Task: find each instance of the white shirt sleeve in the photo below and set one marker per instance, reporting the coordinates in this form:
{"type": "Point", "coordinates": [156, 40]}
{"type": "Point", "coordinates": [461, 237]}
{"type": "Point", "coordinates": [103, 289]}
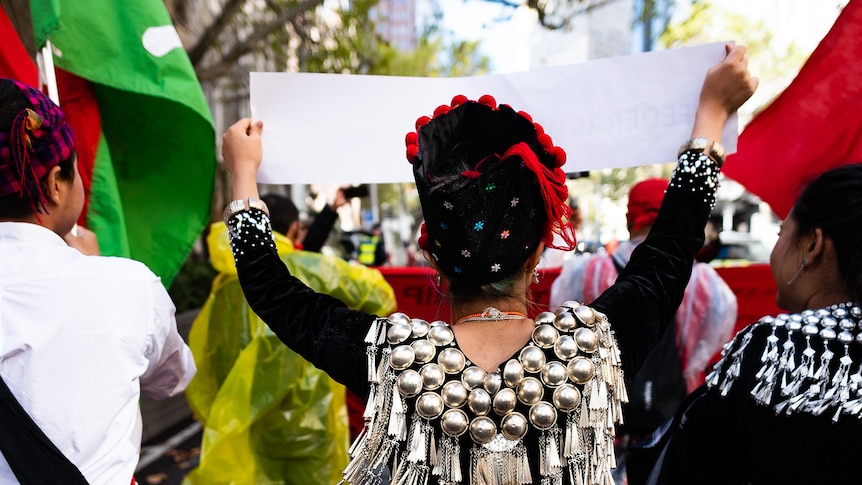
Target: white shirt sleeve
{"type": "Point", "coordinates": [171, 365]}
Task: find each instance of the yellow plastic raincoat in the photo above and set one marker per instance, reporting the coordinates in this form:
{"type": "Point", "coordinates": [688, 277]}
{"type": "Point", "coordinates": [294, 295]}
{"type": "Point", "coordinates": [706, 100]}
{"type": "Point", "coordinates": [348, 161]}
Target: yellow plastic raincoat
{"type": "Point", "coordinates": [269, 416]}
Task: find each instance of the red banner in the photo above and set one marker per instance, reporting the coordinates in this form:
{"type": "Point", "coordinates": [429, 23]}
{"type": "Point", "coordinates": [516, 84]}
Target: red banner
{"type": "Point", "coordinates": [419, 296]}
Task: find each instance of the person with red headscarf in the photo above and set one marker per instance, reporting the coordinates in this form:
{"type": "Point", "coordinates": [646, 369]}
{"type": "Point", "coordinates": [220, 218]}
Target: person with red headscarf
{"type": "Point", "coordinates": [495, 396]}
{"type": "Point", "coordinates": [704, 321]}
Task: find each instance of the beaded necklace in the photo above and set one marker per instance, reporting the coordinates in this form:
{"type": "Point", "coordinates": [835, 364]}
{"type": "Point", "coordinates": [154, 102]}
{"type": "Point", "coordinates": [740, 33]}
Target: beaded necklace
{"type": "Point", "coordinates": [491, 314]}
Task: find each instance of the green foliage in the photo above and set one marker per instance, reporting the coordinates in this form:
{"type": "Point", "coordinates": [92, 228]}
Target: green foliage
{"type": "Point", "coordinates": [192, 285]}
{"type": "Point", "coordinates": [352, 44]}
{"type": "Point", "coordinates": [433, 57]}
{"type": "Point", "coordinates": [770, 61]}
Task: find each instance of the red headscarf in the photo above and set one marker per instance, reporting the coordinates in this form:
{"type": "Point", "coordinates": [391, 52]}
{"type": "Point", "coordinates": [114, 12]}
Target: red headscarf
{"type": "Point", "coordinates": [644, 201]}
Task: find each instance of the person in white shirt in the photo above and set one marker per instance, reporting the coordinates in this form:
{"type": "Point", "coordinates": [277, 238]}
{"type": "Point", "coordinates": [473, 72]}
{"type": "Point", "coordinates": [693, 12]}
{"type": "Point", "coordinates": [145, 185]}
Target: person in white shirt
{"type": "Point", "coordinates": [81, 336]}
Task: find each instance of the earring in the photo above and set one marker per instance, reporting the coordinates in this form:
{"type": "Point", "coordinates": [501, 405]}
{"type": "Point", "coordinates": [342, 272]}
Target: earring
{"type": "Point", "coordinates": [535, 276]}
{"type": "Point", "coordinates": [438, 279]}
{"type": "Point", "coordinates": [798, 271]}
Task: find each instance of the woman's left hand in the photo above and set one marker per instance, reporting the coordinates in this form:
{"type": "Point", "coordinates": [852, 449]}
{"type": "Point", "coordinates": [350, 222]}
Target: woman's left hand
{"type": "Point", "coordinates": [242, 152]}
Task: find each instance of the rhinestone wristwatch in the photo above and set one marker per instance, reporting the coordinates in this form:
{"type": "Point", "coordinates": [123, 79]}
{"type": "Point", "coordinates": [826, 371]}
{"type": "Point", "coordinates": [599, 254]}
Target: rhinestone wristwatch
{"type": "Point", "coordinates": [240, 205]}
{"type": "Point", "coordinates": [716, 150]}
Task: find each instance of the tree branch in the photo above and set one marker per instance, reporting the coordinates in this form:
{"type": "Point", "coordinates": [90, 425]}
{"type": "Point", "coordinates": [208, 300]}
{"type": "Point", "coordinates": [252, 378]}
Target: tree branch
{"type": "Point", "coordinates": [206, 40]}
{"type": "Point", "coordinates": [260, 33]}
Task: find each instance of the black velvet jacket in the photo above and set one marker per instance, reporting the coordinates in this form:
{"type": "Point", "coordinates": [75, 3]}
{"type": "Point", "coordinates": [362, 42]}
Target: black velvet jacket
{"type": "Point", "coordinates": [751, 435]}
{"type": "Point", "coordinates": [639, 306]}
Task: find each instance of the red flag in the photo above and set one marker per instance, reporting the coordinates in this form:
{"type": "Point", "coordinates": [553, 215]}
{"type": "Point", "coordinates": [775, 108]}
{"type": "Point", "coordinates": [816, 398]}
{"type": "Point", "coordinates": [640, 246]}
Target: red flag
{"type": "Point", "coordinates": [813, 126]}
{"type": "Point", "coordinates": [15, 62]}
{"type": "Point", "coordinates": [76, 95]}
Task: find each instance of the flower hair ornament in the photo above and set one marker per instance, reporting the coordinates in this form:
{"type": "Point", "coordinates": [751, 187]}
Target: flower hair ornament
{"type": "Point", "coordinates": [491, 187]}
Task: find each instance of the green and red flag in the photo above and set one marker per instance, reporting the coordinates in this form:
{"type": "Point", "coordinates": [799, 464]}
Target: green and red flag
{"type": "Point", "coordinates": [144, 134]}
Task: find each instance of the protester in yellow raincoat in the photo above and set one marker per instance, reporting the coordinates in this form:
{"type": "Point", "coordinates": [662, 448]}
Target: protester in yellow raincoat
{"type": "Point", "coordinates": [269, 416]}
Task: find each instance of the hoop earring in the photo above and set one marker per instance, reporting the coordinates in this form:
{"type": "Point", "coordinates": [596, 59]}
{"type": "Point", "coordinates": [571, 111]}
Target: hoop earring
{"type": "Point", "coordinates": [535, 276]}
{"type": "Point", "coordinates": [798, 271]}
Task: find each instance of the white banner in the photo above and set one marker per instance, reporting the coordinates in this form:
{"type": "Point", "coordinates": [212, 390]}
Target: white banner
{"type": "Point", "coordinates": [608, 113]}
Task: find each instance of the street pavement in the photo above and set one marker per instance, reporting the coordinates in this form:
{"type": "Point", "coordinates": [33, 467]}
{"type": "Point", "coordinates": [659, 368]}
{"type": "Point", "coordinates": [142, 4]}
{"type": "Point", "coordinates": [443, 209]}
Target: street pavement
{"type": "Point", "coordinates": [168, 461]}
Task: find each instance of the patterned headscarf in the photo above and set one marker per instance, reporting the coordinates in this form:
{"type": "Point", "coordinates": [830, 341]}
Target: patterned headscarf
{"type": "Point", "coordinates": [38, 140]}
{"type": "Point", "coordinates": [491, 189]}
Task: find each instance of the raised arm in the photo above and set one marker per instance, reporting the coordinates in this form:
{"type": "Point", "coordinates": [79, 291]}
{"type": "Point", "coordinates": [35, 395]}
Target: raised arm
{"type": "Point", "coordinates": [318, 327]}
{"type": "Point", "coordinates": [648, 292]}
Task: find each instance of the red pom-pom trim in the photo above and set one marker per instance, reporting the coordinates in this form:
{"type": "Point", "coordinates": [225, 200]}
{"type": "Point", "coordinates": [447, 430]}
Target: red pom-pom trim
{"type": "Point", "coordinates": [423, 237]}
{"type": "Point", "coordinates": [546, 141]}
{"type": "Point", "coordinates": [488, 100]}
{"type": "Point", "coordinates": [526, 115]}
{"type": "Point", "coordinates": [441, 110]}
{"type": "Point", "coordinates": [411, 138]}
{"type": "Point", "coordinates": [540, 130]}
{"type": "Point", "coordinates": [458, 100]}
{"type": "Point", "coordinates": [412, 151]}
{"type": "Point", "coordinates": [559, 155]}
{"type": "Point", "coordinates": [422, 121]}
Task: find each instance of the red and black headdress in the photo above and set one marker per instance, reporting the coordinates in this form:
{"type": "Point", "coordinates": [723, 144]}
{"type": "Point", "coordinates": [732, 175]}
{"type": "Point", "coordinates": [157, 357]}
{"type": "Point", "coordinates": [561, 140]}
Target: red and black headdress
{"type": "Point", "coordinates": [491, 187]}
{"type": "Point", "coordinates": [38, 140]}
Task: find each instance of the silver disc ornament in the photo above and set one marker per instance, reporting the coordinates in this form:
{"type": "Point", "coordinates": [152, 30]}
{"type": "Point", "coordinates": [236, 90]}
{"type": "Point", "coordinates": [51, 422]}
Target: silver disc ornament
{"type": "Point", "coordinates": [429, 405]}
{"type": "Point", "coordinates": [432, 376]}
{"type": "Point", "coordinates": [479, 401]}
{"type": "Point", "coordinates": [545, 336]}
{"type": "Point", "coordinates": [423, 350]}
{"type": "Point", "coordinates": [440, 335]}
{"type": "Point", "coordinates": [420, 327]}
{"type": "Point", "coordinates": [566, 397]}
{"type": "Point", "coordinates": [581, 370]}
{"type": "Point", "coordinates": [494, 381]}
{"type": "Point", "coordinates": [554, 374]}
{"type": "Point", "coordinates": [409, 383]}
{"type": "Point", "coordinates": [543, 415]}
{"type": "Point", "coordinates": [545, 318]}
{"type": "Point", "coordinates": [587, 340]}
{"type": "Point", "coordinates": [514, 426]}
{"type": "Point", "coordinates": [513, 372]}
{"type": "Point", "coordinates": [586, 315]}
{"type": "Point", "coordinates": [454, 422]}
{"type": "Point", "coordinates": [398, 332]}
{"type": "Point", "coordinates": [532, 358]}
{"type": "Point", "coordinates": [454, 394]}
{"type": "Point", "coordinates": [565, 322]}
{"type": "Point", "coordinates": [473, 377]}
{"type": "Point", "coordinates": [451, 360]}
{"type": "Point", "coordinates": [530, 390]}
{"type": "Point", "coordinates": [565, 347]}
{"type": "Point", "coordinates": [504, 401]}
{"type": "Point", "coordinates": [402, 357]}
{"type": "Point", "coordinates": [483, 430]}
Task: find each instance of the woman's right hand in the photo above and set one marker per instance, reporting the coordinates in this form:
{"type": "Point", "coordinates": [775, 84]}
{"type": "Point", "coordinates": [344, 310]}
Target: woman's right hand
{"type": "Point", "coordinates": [726, 87]}
{"type": "Point", "coordinates": [242, 152]}
{"type": "Point", "coordinates": [728, 84]}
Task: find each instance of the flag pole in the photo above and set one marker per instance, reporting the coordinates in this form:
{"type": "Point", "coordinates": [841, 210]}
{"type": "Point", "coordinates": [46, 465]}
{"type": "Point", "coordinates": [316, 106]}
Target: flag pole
{"type": "Point", "coordinates": [48, 76]}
